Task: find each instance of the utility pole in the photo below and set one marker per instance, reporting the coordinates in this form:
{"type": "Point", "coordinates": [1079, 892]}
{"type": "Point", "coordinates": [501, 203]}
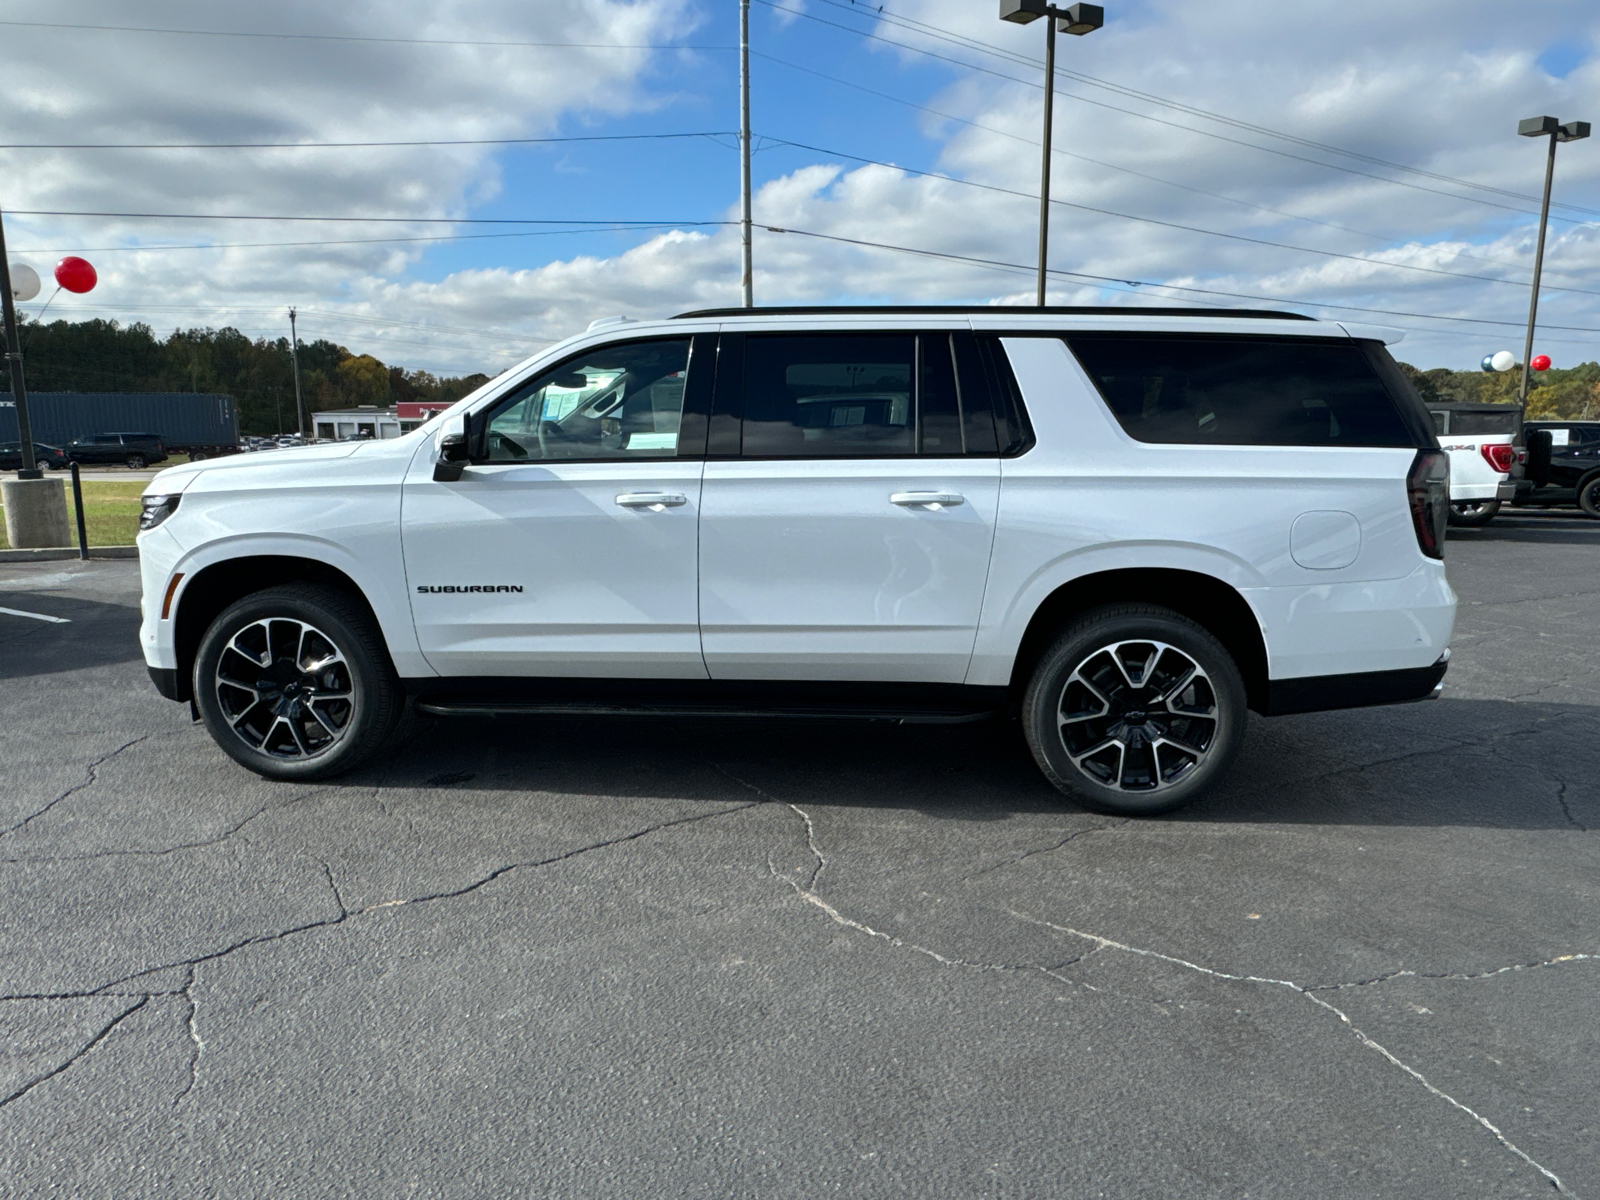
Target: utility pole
{"type": "Point", "coordinates": [294, 360]}
{"type": "Point", "coordinates": [747, 259]}
{"type": "Point", "coordinates": [1076, 19]}
{"type": "Point", "coordinates": [19, 390]}
{"type": "Point", "coordinates": [1572, 131]}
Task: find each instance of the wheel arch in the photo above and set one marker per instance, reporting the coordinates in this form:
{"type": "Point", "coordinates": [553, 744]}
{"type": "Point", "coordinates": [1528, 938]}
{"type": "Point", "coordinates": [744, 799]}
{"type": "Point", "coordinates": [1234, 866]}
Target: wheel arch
{"type": "Point", "coordinates": [1206, 600]}
{"type": "Point", "coordinates": [213, 588]}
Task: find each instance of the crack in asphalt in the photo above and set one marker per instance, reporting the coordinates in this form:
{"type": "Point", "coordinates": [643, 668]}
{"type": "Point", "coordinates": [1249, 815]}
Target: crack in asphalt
{"type": "Point", "coordinates": [94, 854]}
{"type": "Point", "coordinates": [194, 1036]}
{"type": "Point", "coordinates": [82, 1051]}
{"type": "Point", "coordinates": [346, 914]}
{"type": "Point", "coordinates": [1100, 943]}
{"type": "Point", "coordinates": [1408, 974]}
{"type": "Point", "coordinates": [1071, 837]}
{"type": "Point", "coordinates": [92, 777]}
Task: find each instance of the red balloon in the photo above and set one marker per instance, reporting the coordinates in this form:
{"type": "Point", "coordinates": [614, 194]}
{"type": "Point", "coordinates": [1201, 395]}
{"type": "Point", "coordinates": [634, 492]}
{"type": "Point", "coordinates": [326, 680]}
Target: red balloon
{"type": "Point", "coordinates": [75, 274]}
{"type": "Point", "coordinates": [1541, 362]}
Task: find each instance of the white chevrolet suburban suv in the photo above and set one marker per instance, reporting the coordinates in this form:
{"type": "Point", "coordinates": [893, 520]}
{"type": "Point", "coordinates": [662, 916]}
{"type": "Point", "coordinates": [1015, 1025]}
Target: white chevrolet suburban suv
{"type": "Point", "coordinates": [1127, 526]}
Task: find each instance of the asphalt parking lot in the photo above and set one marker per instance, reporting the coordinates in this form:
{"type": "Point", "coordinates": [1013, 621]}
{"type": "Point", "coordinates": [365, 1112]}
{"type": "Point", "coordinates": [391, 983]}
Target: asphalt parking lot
{"type": "Point", "coordinates": [619, 958]}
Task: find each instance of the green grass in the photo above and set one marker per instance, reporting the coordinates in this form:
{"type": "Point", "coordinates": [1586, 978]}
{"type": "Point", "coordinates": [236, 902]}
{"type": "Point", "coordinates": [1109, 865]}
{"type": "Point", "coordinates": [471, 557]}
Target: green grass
{"type": "Point", "coordinates": [110, 510]}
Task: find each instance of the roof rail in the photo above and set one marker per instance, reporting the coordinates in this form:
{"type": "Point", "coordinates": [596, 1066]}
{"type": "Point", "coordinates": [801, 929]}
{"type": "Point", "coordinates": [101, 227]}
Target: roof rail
{"type": "Point", "coordinates": [845, 310]}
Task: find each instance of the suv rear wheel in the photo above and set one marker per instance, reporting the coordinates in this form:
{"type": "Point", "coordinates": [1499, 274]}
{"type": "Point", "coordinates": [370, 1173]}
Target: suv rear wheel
{"type": "Point", "coordinates": [1469, 514]}
{"type": "Point", "coordinates": [1135, 710]}
{"type": "Point", "coordinates": [294, 683]}
{"type": "Point", "coordinates": [136, 461]}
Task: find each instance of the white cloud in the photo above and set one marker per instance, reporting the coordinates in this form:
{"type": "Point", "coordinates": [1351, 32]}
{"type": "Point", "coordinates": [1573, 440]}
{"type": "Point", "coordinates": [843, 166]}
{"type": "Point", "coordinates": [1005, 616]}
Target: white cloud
{"type": "Point", "coordinates": [1420, 83]}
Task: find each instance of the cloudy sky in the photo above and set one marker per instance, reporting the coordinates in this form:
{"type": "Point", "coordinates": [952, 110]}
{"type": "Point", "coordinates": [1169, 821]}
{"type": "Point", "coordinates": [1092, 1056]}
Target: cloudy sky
{"type": "Point", "coordinates": [1359, 154]}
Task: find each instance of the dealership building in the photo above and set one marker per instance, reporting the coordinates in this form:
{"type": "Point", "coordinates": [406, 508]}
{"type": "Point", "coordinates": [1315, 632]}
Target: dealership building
{"type": "Point", "coordinates": [371, 423]}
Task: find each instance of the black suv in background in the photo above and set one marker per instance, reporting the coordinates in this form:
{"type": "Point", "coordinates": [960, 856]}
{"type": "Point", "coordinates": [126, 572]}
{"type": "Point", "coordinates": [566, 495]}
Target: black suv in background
{"type": "Point", "coordinates": [1563, 464]}
{"type": "Point", "coordinates": [135, 449]}
{"type": "Point", "coordinates": [50, 457]}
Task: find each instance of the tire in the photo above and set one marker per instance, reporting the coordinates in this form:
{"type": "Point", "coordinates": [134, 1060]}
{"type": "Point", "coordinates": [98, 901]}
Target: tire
{"type": "Point", "coordinates": [1589, 496]}
{"type": "Point", "coordinates": [198, 456]}
{"type": "Point", "coordinates": [136, 462]}
{"type": "Point", "coordinates": [1114, 766]}
{"type": "Point", "coordinates": [1473, 514]}
{"type": "Point", "coordinates": [279, 720]}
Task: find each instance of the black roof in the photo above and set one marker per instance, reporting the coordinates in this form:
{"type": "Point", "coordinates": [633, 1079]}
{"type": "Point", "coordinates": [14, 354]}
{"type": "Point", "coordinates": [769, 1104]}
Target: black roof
{"type": "Point", "coordinates": [920, 310]}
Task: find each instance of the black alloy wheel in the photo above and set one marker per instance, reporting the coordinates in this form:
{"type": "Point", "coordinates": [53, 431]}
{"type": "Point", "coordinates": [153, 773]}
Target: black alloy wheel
{"type": "Point", "coordinates": [1472, 514]}
{"type": "Point", "coordinates": [1135, 710]}
{"type": "Point", "coordinates": [294, 683]}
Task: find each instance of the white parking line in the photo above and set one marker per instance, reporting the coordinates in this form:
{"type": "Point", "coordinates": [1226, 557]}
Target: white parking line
{"type": "Point", "coordinates": [17, 612]}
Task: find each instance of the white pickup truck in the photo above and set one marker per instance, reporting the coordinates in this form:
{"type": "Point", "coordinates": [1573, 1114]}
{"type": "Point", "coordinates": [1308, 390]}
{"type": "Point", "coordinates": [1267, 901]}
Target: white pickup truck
{"type": "Point", "coordinates": [1481, 440]}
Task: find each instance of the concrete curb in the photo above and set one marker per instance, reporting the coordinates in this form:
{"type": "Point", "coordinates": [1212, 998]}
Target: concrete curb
{"type": "Point", "coordinates": [54, 555]}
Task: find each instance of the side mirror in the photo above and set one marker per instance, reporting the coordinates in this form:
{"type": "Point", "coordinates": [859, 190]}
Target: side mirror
{"type": "Point", "coordinates": [454, 455]}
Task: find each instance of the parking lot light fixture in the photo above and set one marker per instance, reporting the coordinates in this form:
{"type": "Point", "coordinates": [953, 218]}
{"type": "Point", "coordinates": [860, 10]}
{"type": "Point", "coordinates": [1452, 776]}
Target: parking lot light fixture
{"type": "Point", "coordinates": [1550, 127]}
{"type": "Point", "coordinates": [1076, 19]}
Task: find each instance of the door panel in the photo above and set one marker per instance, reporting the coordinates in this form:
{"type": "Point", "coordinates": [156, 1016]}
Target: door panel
{"type": "Point", "coordinates": [809, 570]}
{"type": "Point", "coordinates": [584, 585]}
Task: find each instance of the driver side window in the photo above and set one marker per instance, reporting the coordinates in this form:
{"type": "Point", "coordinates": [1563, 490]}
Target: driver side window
{"type": "Point", "coordinates": [619, 401]}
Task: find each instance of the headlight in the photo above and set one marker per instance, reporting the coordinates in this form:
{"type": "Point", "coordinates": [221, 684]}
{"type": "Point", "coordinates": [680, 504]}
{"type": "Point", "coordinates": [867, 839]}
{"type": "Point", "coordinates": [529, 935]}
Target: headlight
{"type": "Point", "coordinates": [156, 509]}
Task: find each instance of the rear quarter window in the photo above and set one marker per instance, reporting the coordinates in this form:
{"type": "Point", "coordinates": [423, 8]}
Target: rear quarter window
{"type": "Point", "coordinates": [1242, 391]}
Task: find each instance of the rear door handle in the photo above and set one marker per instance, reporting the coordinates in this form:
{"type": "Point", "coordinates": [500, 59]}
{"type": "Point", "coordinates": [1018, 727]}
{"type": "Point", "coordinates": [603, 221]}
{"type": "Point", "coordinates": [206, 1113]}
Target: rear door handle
{"type": "Point", "coordinates": [927, 499]}
{"type": "Point", "coordinates": [654, 501]}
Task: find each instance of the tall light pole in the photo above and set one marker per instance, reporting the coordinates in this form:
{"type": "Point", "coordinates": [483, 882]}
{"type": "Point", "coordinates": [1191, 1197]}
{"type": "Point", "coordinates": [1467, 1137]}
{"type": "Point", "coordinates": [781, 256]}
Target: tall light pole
{"type": "Point", "coordinates": [1076, 19]}
{"type": "Point", "coordinates": [294, 361]}
{"type": "Point", "coordinates": [746, 260]}
{"type": "Point", "coordinates": [1572, 131]}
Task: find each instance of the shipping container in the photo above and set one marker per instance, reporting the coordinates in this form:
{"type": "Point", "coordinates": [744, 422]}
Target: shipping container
{"type": "Point", "coordinates": [207, 421]}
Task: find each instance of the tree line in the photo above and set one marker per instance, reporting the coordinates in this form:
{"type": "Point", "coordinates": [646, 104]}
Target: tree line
{"type": "Point", "coordinates": [105, 356]}
{"type": "Point", "coordinates": [1572, 394]}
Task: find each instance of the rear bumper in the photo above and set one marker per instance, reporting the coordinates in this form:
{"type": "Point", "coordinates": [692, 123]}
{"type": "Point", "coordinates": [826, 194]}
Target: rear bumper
{"type": "Point", "coordinates": [1319, 693]}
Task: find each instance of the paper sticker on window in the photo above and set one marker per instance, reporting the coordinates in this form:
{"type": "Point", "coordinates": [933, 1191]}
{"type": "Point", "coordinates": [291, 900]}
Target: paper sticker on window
{"type": "Point", "coordinates": [653, 441]}
{"type": "Point", "coordinates": [1560, 437]}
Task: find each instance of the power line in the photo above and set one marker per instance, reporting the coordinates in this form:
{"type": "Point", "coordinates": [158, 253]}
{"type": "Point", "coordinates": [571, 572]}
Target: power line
{"type": "Point", "coordinates": [1235, 237]}
{"type": "Point", "coordinates": [136, 216]}
{"type": "Point", "coordinates": [1019, 268]}
{"type": "Point", "coordinates": [913, 25]}
{"type": "Point", "coordinates": [1162, 121]}
{"type": "Point", "coordinates": [543, 141]}
{"type": "Point", "coordinates": [439, 237]}
{"type": "Point", "coordinates": [338, 37]}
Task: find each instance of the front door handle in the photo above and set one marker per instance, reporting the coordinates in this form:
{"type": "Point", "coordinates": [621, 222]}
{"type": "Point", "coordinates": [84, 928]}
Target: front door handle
{"type": "Point", "coordinates": [927, 499]}
{"type": "Point", "coordinates": [654, 501]}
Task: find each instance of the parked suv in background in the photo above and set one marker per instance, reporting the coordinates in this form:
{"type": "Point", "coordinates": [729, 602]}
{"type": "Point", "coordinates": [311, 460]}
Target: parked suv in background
{"type": "Point", "coordinates": [1564, 464]}
{"type": "Point", "coordinates": [1483, 441]}
{"type": "Point", "coordinates": [49, 457]}
{"type": "Point", "coordinates": [135, 449]}
{"type": "Point", "coordinates": [1129, 526]}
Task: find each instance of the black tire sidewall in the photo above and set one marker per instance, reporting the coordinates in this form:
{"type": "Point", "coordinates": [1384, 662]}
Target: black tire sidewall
{"type": "Point", "coordinates": [136, 462]}
{"type": "Point", "coordinates": [1488, 513]}
{"type": "Point", "coordinates": [1589, 496]}
{"type": "Point", "coordinates": [377, 698]}
{"type": "Point", "coordinates": [1120, 623]}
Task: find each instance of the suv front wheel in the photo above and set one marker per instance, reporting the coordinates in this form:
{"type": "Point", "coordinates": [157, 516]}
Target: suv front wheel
{"type": "Point", "coordinates": [294, 683]}
{"type": "Point", "coordinates": [1134, 710]}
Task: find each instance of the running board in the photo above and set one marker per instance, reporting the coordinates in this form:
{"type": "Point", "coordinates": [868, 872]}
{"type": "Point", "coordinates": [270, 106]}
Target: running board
{"type": "Point", "coordinates": [443, 707]}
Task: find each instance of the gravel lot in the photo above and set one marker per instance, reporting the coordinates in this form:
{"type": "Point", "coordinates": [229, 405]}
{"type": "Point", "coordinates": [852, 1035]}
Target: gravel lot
{"type": "Point", "coordinates": [586, 958]}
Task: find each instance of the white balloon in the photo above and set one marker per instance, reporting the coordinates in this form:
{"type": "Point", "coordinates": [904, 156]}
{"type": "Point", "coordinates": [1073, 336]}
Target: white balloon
{"type": "Point", "coordinates": [1503, 361]}
{"type": "Point", "coordinates": [24, 282]}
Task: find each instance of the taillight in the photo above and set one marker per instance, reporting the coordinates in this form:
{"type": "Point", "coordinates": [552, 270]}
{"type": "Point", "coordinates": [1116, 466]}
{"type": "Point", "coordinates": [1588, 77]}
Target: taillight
{"type": "Point", "coordinates": [1428, 488]}
{"type": "Point", "coordinates": [1499, 455]}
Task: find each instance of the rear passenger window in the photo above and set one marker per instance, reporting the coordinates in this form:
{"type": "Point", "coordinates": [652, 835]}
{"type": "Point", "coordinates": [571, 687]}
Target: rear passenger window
{"type": "Point", "coordinates": [832, 396]}
{"type": "Point", "coordinates": [1242, 391]}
